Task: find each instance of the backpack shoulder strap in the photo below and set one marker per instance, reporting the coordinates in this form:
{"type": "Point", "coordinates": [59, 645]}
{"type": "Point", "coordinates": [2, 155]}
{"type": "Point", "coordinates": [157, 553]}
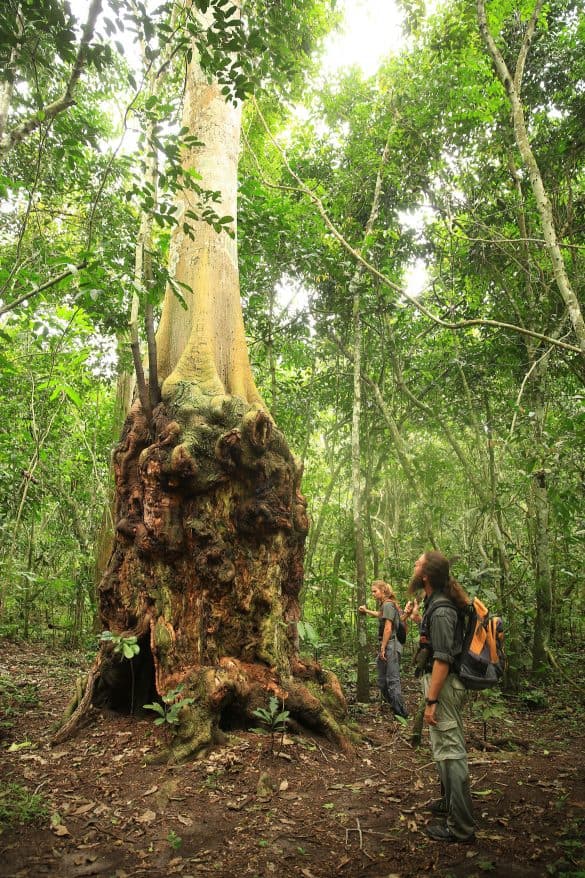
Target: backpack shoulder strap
{"type": "Point", "coordinates": [440, 602]}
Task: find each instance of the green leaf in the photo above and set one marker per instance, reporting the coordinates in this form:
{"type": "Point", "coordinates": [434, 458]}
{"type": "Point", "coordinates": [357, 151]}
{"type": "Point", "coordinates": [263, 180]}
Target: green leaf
{"type": "Point", "coordinates": [154, 706]}
{"type": "Point", "coordinates": [72, 395]}
{"type": "Point", "coordinates": [25, 745]}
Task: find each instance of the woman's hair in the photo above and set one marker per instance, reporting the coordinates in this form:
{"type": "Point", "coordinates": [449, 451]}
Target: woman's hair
{"type": "Point", "coordinates": [385, 588]}
{"type": "Point", "coordinates": [436, 567]}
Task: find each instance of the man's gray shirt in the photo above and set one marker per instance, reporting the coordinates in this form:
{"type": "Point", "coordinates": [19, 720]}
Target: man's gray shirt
{"type": "Point", "coordinates": [444, 634]}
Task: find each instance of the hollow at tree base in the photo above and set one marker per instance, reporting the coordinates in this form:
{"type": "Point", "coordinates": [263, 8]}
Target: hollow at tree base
{"type": "Point", "coordinates": [206, 571]}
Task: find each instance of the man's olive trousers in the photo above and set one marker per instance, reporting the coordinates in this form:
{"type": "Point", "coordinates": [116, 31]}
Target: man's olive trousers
{"type": "Point", "coordinates": [448, 748]}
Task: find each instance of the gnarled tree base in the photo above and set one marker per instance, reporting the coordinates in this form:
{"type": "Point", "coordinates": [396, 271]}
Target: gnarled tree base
{"type": "Point", "coordinates": [206, 572]}
{"type": "Point", "coordinates": [224, 697]}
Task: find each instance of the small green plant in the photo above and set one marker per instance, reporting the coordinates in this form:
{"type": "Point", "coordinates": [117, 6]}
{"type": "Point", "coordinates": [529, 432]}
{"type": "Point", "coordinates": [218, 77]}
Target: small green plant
{"type": "Point", "coordinates": [171, 707]}
{"type": "Point", "coordinates": [488, 706]}
{"type": "Point", "coordinates": [125, 646]}
{"type": "Point", "coordinates": [533, 699]}
{"type": "Point", "coordinates": [309, 635]}
{"type": "Point", "coordinates": [275, 719]}
{"type": "Point", "coordinates": [175, 841]}
{"type": "Point", "coordinates": [19, 805]}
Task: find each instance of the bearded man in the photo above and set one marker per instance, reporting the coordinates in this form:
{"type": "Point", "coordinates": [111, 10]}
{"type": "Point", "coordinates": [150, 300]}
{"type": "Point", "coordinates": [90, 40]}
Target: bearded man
{"type": "Point", "coordinates": [440, 647]}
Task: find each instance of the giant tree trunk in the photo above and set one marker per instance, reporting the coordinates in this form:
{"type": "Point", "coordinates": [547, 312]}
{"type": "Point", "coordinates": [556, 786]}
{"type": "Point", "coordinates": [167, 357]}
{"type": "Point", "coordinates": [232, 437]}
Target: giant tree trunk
{"type": "Point", "coordinates": [210, 522]}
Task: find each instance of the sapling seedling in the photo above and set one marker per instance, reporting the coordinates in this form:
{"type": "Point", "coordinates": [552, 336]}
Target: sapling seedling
{"type": "Point", "coordinates": [275, 719]}
{"type": "Point", "coordinates": [309, 634]}
{"type": "Point", "coordinates": [169, 711]}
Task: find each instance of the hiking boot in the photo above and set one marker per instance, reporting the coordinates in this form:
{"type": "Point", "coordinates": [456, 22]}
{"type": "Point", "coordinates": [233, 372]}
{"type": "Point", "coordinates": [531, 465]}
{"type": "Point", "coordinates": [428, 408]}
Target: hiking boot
{"type": "Point", "coordinates": [443, 833]}
{"type": "Point", "coordinates": [438, 807]}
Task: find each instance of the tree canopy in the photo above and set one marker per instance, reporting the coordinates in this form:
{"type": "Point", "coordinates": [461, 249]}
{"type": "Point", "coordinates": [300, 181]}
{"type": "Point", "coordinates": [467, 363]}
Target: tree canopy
{"type": "Point", "coordinates": [470, 420]}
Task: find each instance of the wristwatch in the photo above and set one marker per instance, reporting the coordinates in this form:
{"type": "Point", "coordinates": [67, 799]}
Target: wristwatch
{"type": "Point", "coordinates": [430, 701]}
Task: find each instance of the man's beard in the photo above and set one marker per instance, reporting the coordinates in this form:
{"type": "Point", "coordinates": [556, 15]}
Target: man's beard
{"type": "Point", "coordinates": [415, 584]}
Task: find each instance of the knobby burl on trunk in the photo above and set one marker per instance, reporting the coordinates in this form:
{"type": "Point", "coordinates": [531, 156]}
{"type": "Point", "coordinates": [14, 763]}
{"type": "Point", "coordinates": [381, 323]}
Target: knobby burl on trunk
{"type": "Point", "coordinates": [206, 570]}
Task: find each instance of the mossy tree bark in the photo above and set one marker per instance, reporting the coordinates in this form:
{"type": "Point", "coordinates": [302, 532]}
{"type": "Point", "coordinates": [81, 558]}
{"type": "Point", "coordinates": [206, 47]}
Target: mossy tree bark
{"type": "Point", "coordinates": [208, 558]}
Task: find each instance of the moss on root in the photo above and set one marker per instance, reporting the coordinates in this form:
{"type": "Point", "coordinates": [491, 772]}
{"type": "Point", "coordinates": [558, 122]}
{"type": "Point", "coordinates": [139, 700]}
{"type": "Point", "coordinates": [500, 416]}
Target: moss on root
{"type": "Point", "coordinates": [209, 560]}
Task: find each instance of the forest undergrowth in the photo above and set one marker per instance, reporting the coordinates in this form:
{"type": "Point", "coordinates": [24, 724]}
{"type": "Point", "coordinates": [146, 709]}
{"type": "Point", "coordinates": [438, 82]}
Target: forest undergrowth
{"type": "Point", "coordinates": [284, 804]}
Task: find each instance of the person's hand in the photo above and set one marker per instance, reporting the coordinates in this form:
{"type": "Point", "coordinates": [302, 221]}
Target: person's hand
{"type": "Point", "coordinates": [408, 608]}
{"type": "Point", "coordinates": [382, 655]}
{"type": "Point", "coordinates": [430, 717]}
{"type": "Point", "coordinates": [362, 609]}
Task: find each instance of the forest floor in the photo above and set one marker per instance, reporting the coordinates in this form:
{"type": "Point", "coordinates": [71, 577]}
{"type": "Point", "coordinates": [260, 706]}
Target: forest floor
{"type": "Point", "coordinates": [94, 806]}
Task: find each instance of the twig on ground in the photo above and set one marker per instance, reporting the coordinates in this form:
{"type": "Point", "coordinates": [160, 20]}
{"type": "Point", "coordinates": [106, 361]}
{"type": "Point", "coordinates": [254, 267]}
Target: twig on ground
{"type": "Point", "coordinates": [426, 765]}
{"type": "Point", "coordinates": [358, 829]}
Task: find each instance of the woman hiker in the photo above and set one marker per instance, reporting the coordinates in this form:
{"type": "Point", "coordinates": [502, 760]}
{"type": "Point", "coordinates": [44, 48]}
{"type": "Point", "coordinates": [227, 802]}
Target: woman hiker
{"type": "Point", "coordinates": [390, 650]}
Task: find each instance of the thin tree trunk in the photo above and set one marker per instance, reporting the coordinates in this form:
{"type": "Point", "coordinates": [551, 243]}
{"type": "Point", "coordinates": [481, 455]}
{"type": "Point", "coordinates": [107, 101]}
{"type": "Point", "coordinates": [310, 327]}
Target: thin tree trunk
{"type": "Point", "coordinates": [513, 86]}
{"type": "Point", "coordinates": [363, 682]}
{"type": "Point", "coordinates": [315, 531]}
{"type": "Point", "coordinates": [540, 507]}
{"type": "Point", "coordinates": [21, 132]}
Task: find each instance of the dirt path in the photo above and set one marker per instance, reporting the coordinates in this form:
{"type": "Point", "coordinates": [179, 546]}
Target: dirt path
{"type": "Point", "coordinates": [308, 812]}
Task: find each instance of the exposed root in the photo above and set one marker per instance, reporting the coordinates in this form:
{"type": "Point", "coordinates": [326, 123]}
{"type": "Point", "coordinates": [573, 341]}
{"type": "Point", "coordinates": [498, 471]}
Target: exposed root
{"type": "Point", "coordinates": [206, 572]}
{"type": "Point", "coordinates": [240, 688]}
{"type": "Point", "coordinates": [79, 707]}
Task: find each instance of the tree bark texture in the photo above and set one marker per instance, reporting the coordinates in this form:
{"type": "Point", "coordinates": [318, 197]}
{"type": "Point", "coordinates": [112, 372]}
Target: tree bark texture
{"type": "Point", "coordinates": [207, 563]}
{"type": "Point", "coordinates": [206, 572]}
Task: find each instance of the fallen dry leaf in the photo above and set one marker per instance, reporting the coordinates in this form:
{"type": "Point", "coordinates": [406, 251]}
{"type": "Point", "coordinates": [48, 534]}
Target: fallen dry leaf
{"type": "Point", "coordinates": [83, 809]}
{"type": "Point", "coordinates": [60, 829]}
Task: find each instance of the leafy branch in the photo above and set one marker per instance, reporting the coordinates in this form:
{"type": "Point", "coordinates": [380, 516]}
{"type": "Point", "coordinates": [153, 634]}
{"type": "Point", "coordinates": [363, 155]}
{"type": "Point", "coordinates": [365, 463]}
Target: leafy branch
{"type": "Point", "coordinates": [17, 135]}
{"type": "Point", "coordinates": [302, 189]}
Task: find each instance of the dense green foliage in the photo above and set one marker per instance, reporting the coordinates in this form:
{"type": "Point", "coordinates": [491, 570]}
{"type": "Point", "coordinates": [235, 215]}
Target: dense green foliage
{"type": "Point", "coordinates": [471, 437]}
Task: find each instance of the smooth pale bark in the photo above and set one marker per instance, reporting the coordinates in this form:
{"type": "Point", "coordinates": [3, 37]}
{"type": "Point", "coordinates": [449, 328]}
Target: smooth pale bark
{"type": "Point", "coordinates": [205, 345]}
